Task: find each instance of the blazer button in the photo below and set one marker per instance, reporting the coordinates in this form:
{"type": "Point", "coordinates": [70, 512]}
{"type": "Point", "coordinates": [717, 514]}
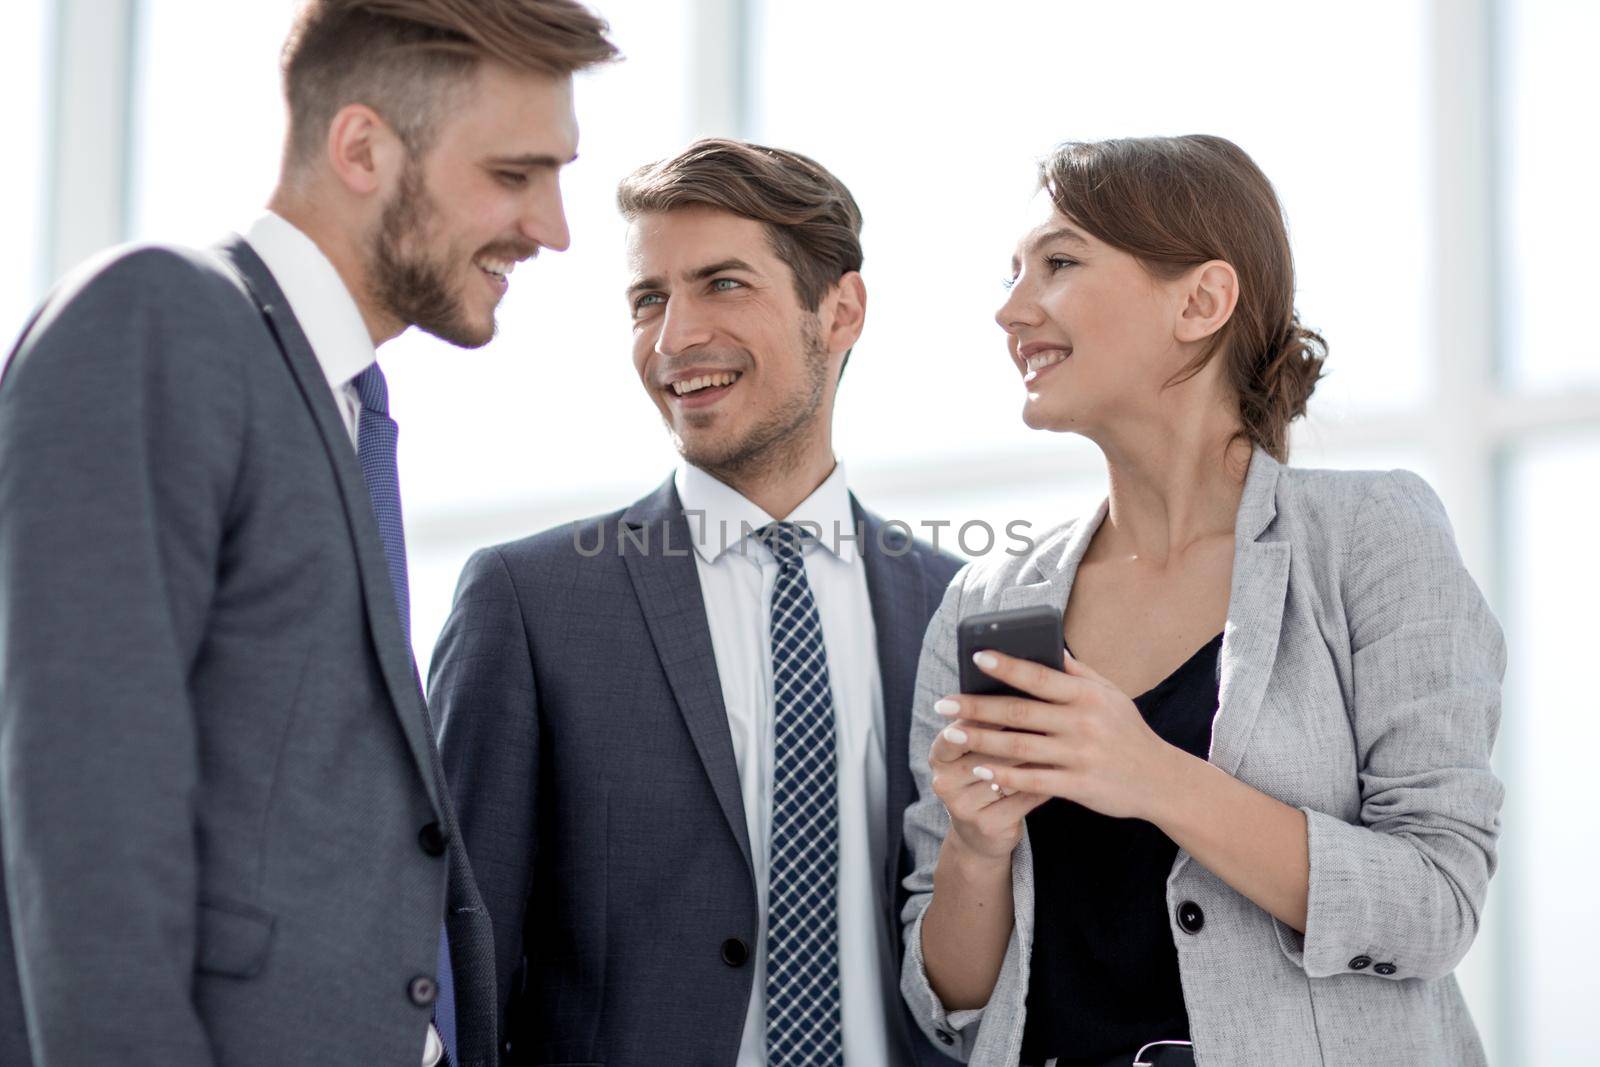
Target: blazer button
{"type": "Point", "coordinates": [422, 991]}
{"type": "Point", "coordinates": [1360, 963]}
{"type": "Point", "coordinates": [735, 952]}
{"type": "Point", "coordinates": [1385, 969]}
{"type": "Point", "coordinates": [1190, 917]}
{"type": "Point", "coordinates": [432, 839]}
{"type": "Point", "coordinates": [944, 1038]}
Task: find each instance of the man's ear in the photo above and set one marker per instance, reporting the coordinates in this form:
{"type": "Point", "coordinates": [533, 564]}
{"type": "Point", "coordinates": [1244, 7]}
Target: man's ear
{"type": "Point", "coordinates": [1208, 295]}
{"type": "Point", "coordinates": [363, 151]}
{"type": "Point", "coordinates": [849, 300]}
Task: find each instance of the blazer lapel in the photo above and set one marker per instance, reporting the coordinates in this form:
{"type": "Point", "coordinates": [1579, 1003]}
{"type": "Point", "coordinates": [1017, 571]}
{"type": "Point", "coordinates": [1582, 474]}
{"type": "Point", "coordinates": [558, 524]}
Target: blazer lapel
{"type": "Point", "coordinates": [1054, 566]}
{"type": "Point", "coordinates": [394, 655]}
{"type": "Point", "coordinates": [661, 566]}
{"type": "Point", "coordinates": [895, 585]}
{"type": "Point", "coordinates": [1255, 615]}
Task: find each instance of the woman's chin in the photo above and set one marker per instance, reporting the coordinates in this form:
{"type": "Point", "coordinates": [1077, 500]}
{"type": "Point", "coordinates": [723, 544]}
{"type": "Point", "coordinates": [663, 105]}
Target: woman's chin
{"type": "Point", "coordinates": [1039, 414]}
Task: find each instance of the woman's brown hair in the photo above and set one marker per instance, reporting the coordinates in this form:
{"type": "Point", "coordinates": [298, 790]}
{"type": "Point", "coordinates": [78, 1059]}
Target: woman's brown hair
{"type": "Point", "coordinates": [1177, 202]}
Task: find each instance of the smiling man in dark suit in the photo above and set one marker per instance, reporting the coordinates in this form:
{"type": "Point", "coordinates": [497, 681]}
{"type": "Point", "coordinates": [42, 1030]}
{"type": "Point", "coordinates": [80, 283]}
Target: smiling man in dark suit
{"type": "Point", "coordinates": [226, 835]}
{"type": "Point", "coordinates": [677, 733]}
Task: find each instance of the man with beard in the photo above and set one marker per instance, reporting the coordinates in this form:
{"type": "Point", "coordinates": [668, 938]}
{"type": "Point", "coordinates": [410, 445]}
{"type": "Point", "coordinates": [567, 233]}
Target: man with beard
{"type": "Point", "coordinates": [677, 733]}
{"type": "Point", "coordinates": [226, 834]}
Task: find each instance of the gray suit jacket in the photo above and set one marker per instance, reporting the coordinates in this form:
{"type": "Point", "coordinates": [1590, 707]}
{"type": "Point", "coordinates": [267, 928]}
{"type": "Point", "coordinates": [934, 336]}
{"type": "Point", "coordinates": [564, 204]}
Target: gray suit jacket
{"type": "Point", "coordinates": [1360, 682]}
{"type": "Point", "coordinates": [586, 743]}
{"type": "Point", "coordinates": [215, 765]}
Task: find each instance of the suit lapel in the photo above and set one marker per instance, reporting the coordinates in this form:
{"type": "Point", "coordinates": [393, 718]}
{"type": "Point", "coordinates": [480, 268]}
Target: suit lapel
{"type": "Point", "coordinates": [1047, 579]}
{"type": "Point", "coordinates": [662, 568]}
{"type": "Point", "coordinates": [896, 586]}
{"type": "Point", "coordinates": [1255, 615]}
{"type": "Point", "coordinates": [394, 655]}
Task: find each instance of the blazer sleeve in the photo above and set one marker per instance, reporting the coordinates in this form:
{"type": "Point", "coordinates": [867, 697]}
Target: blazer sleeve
{"type": "Point", "coordinates": [121, 433]}
{"type": "Point", "coordinates": [926, 824]}
{"type": "Point", "coordinates": [1405, 885]}
{"type": "Point", "coordinates": [481, 685]}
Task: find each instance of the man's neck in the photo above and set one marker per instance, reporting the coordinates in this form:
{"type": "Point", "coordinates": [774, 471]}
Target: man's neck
{"type": "Point", "coordinates": [779, 482]}
{"type": "Point", "coordinates": [334, 242]}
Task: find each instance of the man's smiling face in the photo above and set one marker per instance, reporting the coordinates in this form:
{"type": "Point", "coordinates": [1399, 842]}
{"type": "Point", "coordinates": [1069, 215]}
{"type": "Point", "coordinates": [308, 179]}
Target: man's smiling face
{"type": "Point", "coordinates": [736, 365]}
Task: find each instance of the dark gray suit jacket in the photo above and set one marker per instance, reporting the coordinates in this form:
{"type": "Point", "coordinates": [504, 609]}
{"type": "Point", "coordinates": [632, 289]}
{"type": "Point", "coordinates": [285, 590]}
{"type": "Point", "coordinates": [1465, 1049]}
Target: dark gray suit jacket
{"type": "Point", "coordinates": [587, 746]}
{"type": "Point", "coordinates": [216, 769]}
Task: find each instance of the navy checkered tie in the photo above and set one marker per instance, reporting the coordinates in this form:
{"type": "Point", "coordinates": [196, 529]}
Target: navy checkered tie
{"type": "Point", "coordinates": [376, 438]}
{"type": "Point", "coordinates": [803, 1027]}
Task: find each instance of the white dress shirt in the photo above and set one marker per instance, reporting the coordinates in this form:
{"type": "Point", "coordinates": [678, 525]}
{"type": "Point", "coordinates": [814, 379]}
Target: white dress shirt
{"type": "Point", "coordinates": [338, 335]}
{"type": "Point", "coordinates": [323, 306]}
{"type": "Point", "coordinates": [737, 576]}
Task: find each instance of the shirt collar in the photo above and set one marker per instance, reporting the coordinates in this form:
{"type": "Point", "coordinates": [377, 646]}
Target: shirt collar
{"type": "Point", "coordinates": [317, 296]}
{"type": "Point", "coordinates": [721, 518]}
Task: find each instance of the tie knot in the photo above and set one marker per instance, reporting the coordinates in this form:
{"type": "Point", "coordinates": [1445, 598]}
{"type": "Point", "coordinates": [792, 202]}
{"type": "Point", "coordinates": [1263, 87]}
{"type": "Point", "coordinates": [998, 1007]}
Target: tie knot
{"type": "Point", "coordinates": [373, 389]}
{"type": "Point", "coordinates": [784, 540]}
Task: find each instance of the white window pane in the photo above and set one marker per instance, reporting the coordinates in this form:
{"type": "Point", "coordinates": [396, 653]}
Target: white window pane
{"type": "Point", "coordinates": [1551, 159]}
{"type": "Point", "coordinates": [208, 116]}
{"type": "Point", "coordinates": [1552, 731]}
{"type": "Point", "coordinates": [22, 87]}
{"type": "Point", "coordinates": [935, 122]}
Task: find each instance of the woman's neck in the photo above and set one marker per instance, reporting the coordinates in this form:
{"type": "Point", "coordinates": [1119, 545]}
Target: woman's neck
{"type": "Point", "coordinates": [1172, 487]}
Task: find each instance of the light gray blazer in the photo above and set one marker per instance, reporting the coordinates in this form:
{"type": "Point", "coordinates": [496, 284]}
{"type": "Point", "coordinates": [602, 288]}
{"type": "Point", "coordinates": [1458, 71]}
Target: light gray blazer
{"type": "Point", "coordinates": [1360, 682]}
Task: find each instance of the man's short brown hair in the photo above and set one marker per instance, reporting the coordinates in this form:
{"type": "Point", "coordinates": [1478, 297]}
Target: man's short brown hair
{"type": "Point", "coordinates": [811, 219]}
{"type": "Point", "coordinates": [404, 58]}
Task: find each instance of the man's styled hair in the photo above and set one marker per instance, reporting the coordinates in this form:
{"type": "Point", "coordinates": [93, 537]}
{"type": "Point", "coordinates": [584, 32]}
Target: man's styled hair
{"type": "Point", "coordinates": [811, 219]}
{"type": "Point", "coordinates": [406, 59]}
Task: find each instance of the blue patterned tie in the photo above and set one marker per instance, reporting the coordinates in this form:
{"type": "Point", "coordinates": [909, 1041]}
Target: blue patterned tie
{"type": "Point", "coordinates": [376, 449]}
{"type": "Point", "coordinates": [803, 1027]}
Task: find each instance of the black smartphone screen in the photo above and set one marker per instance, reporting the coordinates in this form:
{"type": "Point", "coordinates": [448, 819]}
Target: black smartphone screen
{"type": "Point", "coordinates": [1026, 633]}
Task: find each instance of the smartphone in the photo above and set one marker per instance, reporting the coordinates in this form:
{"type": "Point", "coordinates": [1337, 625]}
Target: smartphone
{"type": "Point", "coordinates": [1025, 633]}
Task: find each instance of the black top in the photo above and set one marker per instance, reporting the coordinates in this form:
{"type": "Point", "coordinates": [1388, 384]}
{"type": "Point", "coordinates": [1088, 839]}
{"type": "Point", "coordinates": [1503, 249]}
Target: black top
{"type": "Point", "coordinates": [1104, 974]}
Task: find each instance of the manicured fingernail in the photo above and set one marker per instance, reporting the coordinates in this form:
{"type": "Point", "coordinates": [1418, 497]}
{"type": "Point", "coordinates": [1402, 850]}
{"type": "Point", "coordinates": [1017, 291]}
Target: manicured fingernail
{"type": "Point", "coordinates": [985, 660]}
{"type": "Point", "coordinates": [984, 773]}
{"type": "Point", "coordinates": [955, 734]}
{"type": "Point", "coordinates": [947, 706]}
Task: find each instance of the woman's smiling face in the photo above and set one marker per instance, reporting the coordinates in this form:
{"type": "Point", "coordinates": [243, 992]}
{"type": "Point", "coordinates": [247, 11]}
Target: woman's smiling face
{"type": "Point", "coordinates": [1088, 327]}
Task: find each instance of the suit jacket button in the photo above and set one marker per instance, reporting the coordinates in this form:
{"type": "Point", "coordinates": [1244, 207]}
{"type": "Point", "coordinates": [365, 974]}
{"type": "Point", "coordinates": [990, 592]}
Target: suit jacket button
{"type": "Point", "coordinates": [1190, 917]}
{"type": "Point", "coordinates": [1385, 969]}
{"type": "Point", "coordinates": [1360, 963]}
{"type": "Point", "coordinates": [432, 839]}
{"type": "Point", "coordinates": [944, 1038]}
{"type": "Point", "coordinates": [735, 952]}
{"type": "Point", "coordinates": [422, 991]}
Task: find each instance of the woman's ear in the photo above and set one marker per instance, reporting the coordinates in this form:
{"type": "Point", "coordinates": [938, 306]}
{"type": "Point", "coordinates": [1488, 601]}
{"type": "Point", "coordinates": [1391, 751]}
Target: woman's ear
{"type": "Point", "coordinates": [1209, 293]}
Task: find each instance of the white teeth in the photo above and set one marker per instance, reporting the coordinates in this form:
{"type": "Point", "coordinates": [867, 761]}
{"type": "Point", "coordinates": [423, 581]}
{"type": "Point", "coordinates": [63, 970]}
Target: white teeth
{"type": "Point", "coordinates": [1044, 359]}
{"type": "Point", "coordinates": [691, 385]}
{"type": "Point", "coordinates": [500, 268]}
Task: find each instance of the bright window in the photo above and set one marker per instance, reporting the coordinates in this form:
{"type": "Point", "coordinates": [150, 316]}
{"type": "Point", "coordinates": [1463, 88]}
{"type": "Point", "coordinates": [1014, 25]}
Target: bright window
{"type": "Point", "coordinates": [1549, 165]}
{"type": "Point", "coordinates": [23, 88]}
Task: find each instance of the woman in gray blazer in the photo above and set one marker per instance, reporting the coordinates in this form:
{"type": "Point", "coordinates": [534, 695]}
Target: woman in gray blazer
{"type": "Point", "coordinates": [1317, 772]}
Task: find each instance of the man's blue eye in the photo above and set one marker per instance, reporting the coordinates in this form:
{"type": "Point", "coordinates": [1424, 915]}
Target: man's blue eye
{"type": "Point", "coordinates": [719, 283]}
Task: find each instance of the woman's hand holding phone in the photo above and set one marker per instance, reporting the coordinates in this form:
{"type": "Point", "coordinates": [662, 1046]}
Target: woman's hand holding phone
{"type": "Point", "coordinates": [986, 821]}
{"type": "Point", "coordinates": [1072, 734]}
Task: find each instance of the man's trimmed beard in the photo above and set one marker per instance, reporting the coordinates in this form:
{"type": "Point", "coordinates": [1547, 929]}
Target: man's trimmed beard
{"type": "Point", "coordinates": [779, 439]}
{"type": "Point", "coordinates": [408, 284]}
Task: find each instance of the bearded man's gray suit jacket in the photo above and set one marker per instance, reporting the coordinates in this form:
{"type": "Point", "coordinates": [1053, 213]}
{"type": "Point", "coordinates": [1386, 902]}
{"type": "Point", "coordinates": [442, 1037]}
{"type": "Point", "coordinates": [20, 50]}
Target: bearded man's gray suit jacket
{"type": "Point", "coordinates": [226, 837]}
